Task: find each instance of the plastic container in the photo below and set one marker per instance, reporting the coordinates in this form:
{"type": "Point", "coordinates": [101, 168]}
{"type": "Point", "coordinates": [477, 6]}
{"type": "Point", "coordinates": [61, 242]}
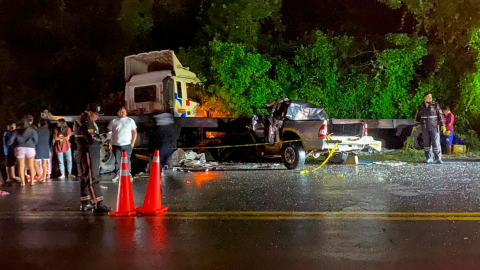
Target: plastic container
{"type": "Point", "coordinates": [459, 149]}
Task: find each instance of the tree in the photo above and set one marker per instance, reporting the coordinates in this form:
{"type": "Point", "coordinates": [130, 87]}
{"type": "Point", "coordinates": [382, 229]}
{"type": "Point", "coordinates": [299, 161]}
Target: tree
{"type": "Point", "coordinates": [395, 71]}
{"type": "Point", "coordinates": [241, 77]}
{"type": "Point", "coordinates": [448, 26]}
{"type": "Point", "coordinates": [238, 21]}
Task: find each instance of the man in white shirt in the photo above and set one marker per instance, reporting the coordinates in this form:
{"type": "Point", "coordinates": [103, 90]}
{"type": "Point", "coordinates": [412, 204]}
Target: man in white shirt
{"type": "Point", "coordinates": [123, 136]}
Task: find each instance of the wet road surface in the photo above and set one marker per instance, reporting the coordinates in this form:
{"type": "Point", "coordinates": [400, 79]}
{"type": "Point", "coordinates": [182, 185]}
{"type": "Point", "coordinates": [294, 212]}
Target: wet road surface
{"type": "Point", "coordinates": [380, 216]}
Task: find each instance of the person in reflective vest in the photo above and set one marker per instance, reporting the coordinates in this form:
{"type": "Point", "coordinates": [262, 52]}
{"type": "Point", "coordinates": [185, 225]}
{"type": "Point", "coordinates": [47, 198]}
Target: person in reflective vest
{"type": "Point", "coordinates": [88, 142]}
{"type": "Point", "coordinates": [431, 119]}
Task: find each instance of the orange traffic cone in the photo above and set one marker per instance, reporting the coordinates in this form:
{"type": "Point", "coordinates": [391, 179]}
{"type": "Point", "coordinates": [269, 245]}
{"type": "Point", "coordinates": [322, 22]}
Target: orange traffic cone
{"type": "Point", "coordinates": [125, 202]}
{"type": "Point", "coordinates": [152, 204]}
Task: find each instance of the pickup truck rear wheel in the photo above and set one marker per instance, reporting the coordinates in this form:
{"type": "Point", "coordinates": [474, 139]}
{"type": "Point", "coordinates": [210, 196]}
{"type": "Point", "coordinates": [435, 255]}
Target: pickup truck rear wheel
{"type": "Point", "coordinates": [221, 154]}
{"type": "Point", "coordinates": [338, 158]}
{"type": "Point", "coordinates": [293, 156]}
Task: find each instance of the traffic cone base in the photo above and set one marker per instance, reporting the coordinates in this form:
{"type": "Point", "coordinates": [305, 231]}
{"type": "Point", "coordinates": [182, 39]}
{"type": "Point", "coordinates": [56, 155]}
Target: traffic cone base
{"type": "Point", "coordinates": [125, 202]}
{"type": "Point", "coordinates": [122, 214]}
{"type": "Point", "coordinates": [144, 211]}
{"type": "Point", "coordinates": [152, 204]}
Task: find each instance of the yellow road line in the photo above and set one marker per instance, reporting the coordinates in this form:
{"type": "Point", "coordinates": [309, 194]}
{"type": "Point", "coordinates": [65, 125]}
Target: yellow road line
{"type": "Point", "coordinates": [324, 218]}
{"type": "Point", "coordinates": [264, 213]}
{"type": "Point", "coordinates": [249, 215]}
{"type": "Point", "coordinates": [392, 216]}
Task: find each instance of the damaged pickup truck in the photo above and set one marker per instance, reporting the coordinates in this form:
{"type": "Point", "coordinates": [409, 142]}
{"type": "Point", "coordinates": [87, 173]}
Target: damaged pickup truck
{"type": "Point", "coordinates": [294, 130]}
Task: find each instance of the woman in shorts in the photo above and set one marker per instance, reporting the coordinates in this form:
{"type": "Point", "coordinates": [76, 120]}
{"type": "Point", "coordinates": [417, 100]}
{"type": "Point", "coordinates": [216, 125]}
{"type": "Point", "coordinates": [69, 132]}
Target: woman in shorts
{"type": "Point", "coordinates": [26, 139]}
{"type": "Point", "coordinates": [42, 151]}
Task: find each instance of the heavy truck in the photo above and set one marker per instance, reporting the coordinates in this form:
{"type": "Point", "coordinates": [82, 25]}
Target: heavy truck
{"type": "Point", "coordinates": [157, 82]}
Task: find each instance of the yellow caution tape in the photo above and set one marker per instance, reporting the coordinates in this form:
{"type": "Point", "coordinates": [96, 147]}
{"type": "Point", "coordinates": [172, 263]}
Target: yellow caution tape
{"type": "Point", "coordinates": [240, 145]}
{"type": "Point", "coordinates": [247, 145]}
{"type": "Point", "coordinates": [324, 162]}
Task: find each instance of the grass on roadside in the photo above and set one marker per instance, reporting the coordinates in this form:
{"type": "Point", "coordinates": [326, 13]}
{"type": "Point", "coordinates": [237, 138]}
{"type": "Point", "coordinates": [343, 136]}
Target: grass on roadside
{"type": "Point", "coordinates": [405, 155]}
{"type": "Point", "coordinates": [414, 155]}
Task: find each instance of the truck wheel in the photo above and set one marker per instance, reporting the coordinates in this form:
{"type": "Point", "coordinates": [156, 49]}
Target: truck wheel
{"type": "Point", "coordinates": [293, 156]}
{"type": "Point", "coordinates": [107, 160]}
{"type": "Point", "coordinates": [338, 158]}
{"type": "Point", "coordinates": [221, 154]}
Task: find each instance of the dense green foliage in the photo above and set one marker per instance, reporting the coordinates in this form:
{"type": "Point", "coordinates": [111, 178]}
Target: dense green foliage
{"type": "Point", "coordinates": [448, 26]}
{"type": "Point", "coordinates": [243, 76]}
{"type": "Point", "coordinates": [397, 69]}
{"type": "Point", "coordinates": [321, 72]}
{"type": "Point", "coordinates": [468, 108]}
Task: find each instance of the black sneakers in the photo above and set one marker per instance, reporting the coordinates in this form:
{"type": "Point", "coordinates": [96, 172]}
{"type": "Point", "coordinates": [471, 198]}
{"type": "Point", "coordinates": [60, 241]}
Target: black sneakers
{"type": "Point", "coordinates": [101, 209]}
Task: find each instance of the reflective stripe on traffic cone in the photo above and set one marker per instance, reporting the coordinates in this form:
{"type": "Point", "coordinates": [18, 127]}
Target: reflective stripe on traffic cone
{"type": "Point", "coordinates": [125, 202]}
{"type": "Point", "coordinates": [152, 204]}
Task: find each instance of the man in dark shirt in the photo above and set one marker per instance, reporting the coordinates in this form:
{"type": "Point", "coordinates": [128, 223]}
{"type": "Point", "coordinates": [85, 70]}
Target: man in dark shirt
{"type": "Point", "coordinates": [8, 150]}
{"type": "Point", "coordinates": [430, 118]}
{"type": "Point", "coordinates": [163, 137]}
{"type": "Point", "coordinates": [88, 142]}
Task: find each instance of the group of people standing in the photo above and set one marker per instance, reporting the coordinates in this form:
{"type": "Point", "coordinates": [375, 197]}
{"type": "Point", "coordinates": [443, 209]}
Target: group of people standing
{"type": "Point", "coordinates": [122, 132]}
{"type": "Point", "coordinates": [27, 148]}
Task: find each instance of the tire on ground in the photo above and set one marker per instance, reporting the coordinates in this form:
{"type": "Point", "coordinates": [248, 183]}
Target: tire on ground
{"type": "Point", "coordinates": [293, 156]}
{"type": "Point", "coordinates": [221, 154]}
{"type": "Point", "coordinates": [338, 158]}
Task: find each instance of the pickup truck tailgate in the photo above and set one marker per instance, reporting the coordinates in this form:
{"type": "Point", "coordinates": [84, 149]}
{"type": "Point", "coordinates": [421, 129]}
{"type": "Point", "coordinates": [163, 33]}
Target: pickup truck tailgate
{"type": "Point", "coordinates": [348, 134]}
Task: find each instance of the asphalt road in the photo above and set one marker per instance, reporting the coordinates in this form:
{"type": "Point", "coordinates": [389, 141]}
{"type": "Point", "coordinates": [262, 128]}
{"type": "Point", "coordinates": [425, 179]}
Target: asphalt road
{"type": "Point", "coordinates": [379, 216]}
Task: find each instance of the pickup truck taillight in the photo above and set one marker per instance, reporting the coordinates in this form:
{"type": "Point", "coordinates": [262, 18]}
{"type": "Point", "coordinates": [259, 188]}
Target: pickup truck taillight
{"type": "Point", "coordinates": [323, 132]}
{"type": "Point", "coordinates": [365, 132]}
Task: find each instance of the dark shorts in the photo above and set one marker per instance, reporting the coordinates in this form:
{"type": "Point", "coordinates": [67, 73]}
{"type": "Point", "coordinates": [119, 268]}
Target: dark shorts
{"type": "Point", "coordinates": [447, 139]}
{"type": "Point", "coordinates": [10, 159]}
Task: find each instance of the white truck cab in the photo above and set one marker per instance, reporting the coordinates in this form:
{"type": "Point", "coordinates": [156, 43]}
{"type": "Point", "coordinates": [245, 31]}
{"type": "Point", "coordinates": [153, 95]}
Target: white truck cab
{"type": "Point", "coordinates": [157, 81]}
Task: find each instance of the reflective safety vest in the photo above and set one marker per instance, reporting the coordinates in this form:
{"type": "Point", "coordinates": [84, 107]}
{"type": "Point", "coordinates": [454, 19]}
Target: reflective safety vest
{"type": "Point", "coordinates": [430, 116]}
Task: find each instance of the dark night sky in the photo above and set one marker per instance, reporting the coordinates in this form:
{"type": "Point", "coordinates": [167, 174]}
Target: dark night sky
{"type": "Point", "coordinates": [368, 16]}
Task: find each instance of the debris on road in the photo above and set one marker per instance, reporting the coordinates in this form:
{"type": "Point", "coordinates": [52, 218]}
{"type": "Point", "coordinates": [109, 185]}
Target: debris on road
{"type": "Point", "coordinates": [188, 161]}
{"type": "Point", "coordinates": [364, 162]}
{"type": "Point", "coordinates": [368, 150]}
{"type": "Point", "coordinates": [390, 163]}
{"type": "Point", "coordinates": [249, 166]}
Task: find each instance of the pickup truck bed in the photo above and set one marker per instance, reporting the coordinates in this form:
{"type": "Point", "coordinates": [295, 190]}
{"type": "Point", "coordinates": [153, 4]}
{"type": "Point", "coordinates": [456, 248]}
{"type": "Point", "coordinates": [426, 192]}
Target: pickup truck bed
{"type": "Point", "coordinates": [349, 136]}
